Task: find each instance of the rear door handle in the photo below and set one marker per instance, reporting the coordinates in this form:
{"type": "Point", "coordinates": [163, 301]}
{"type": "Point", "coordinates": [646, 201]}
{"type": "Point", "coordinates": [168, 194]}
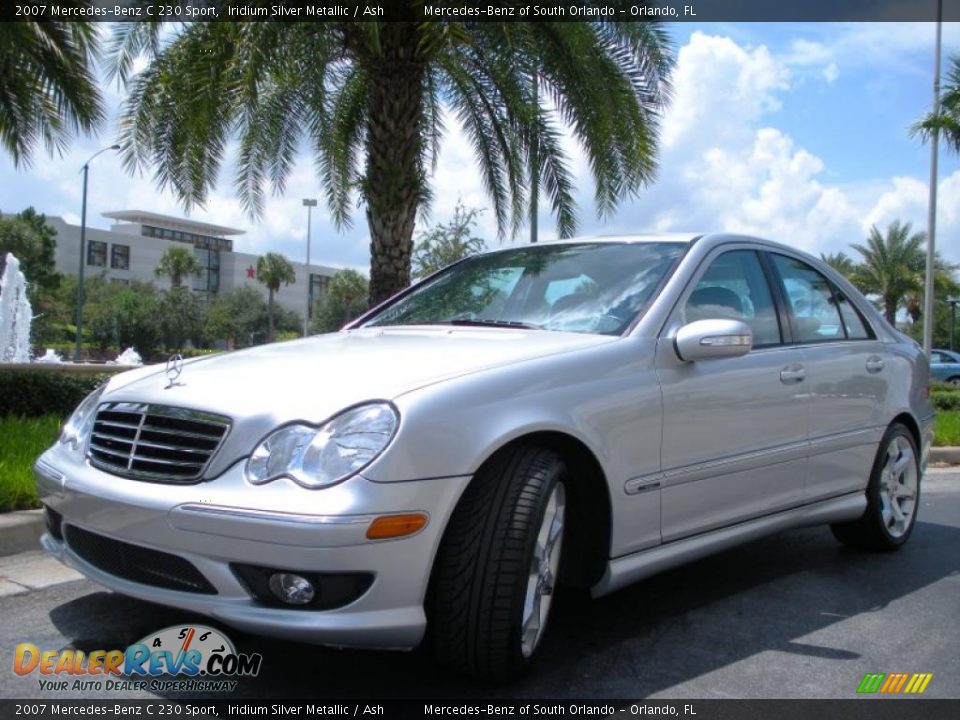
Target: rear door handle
{"type": "Point", "coordinates": [793, 374]}
{"type": "Point", "coordinates": [874, 364]}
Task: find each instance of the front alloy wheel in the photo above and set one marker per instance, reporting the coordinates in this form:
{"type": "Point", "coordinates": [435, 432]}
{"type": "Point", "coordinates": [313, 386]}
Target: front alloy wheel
{"type": "Point", "coordinates": [544, 568]}
{"type": "Point", "coordinates": [498, 563]}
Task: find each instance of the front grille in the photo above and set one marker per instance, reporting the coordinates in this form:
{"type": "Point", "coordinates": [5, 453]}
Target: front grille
{"type": "Point", "coordinates": [137, 564]}
{"type": "Point", "coordinates": [155, 442]}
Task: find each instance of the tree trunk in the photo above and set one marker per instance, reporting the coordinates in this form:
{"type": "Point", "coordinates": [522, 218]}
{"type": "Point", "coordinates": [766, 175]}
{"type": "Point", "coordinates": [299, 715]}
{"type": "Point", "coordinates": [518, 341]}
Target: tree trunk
{"type": "Point", "coordinates": [269, 315]}
{"type": "Point", "coordinates": [394, 182]}
{"type": "Point", "coordinates": [890, 310]}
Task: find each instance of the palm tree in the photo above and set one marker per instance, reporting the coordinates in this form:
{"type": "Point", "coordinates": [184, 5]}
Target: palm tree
{"type": "Point", "coordinates": [176, 263]}
{"type": "Point", "coordinates": [47, 86]}
{"type": "Point", "coordinates": [273, 270]}
{"type": "Point", "coordinates": [371, 97]}
{"type": "Point", "coordinates": [841, 262]}
{"type": "Point", "coordinates": [947, 121]}
{"type": "Point", "coordinates": [893, 265]}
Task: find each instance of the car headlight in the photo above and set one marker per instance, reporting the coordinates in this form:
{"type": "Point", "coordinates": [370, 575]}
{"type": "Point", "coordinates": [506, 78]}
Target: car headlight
{"type": "Point", "coordinates": [316, 457]}
{"type": "Point", "coordinates": [80, 423]}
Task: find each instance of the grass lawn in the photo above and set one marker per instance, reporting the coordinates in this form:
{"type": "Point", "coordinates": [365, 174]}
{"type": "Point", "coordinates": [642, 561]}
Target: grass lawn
{"type": "Point", "coordinates": [947, 430]}
{"type": "Point", "coordinates": [21, 442]}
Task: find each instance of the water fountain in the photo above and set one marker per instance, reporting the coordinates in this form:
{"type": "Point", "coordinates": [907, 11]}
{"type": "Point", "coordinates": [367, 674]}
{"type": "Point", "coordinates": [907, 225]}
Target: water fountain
{"type": "Point", "coordinates": [15, 314]}
{"type": "Point", "coordinates": [15, 318]}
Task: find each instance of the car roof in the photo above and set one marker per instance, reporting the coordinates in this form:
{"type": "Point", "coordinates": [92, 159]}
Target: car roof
{"type": "Point", "coordinates": [707, 240]}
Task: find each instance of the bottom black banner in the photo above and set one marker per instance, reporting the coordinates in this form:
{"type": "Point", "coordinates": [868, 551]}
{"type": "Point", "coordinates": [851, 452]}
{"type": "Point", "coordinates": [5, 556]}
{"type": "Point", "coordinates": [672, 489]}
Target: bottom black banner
{"type": "Point", "coordinates": [860, 709]}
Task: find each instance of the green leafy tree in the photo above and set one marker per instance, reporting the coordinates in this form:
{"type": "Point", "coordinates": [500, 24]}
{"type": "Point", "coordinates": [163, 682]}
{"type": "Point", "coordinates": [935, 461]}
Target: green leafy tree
{"type": "Point", "coordinates": [238, 317]}
{"type": "Point", "coordinates": [892, 265]}
{"type": "Point", "coordinates": [345, 300]}
{"type": "Point", "coordinates": [841, 262]}
{"type": "Point", "coordinates": [369, 99]}
{"type": "Point", "coordinates": [946, 122]}
{"type": "Point", "coordinates": [446, 243]}
{"type": "Point", "coordinates": [123, 316]}
{"type": "Point", "coordinates": [177, 263]}
{"type": "Point", "coordinates": [47, 84]}
{"type": "Point", "coordinates": [34, 243]}
{"type": "Point", "coordinates": [182, 318]}
{"type": "Point", "coordinates": [273, 270]}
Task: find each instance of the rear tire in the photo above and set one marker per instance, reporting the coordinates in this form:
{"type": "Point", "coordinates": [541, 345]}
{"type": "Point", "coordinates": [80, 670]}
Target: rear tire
{"type": "Point", "coordinates": [498, 563]}
{"type": "Point", "coordinates": [893, 496]}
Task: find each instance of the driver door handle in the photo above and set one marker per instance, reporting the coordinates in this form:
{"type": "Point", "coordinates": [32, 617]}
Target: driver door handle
{"type": "Point", "coordinates": [793, 374]}
{"type": "Point", "coordinates": [874, 364]}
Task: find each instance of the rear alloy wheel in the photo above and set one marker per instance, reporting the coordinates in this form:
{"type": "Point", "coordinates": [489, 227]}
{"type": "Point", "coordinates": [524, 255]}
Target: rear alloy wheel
{"type": "Point", "coordinates": [893, 495]}
{"type": "Point", "coordinates": [497, 567]}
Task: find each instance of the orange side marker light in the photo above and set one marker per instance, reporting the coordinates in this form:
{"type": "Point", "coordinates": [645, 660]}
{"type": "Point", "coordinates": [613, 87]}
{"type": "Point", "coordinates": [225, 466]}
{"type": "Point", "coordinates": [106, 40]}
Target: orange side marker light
{"type": "Point", "coordinates": [394, 526]}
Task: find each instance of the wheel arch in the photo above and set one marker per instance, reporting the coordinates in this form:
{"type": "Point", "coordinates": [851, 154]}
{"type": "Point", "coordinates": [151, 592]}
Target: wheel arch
{"type": "Point", "coordinates": [908, 421]}
{"type": "Point", "coordinates": [586, 548]}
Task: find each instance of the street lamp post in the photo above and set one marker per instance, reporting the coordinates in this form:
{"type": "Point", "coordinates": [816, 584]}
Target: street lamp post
{"type": "Point", "coordinates": [83, 240]}
{"type": "Point", "coordinates": [309, 204]}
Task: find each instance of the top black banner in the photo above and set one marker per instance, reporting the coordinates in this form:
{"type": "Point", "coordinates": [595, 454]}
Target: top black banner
{"type": "Point", "coordinates": [481, 10]}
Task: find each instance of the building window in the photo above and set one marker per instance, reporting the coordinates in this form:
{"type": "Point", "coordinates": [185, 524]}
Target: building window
{"type": "Point", "coordinates": [97, 253]}
{"type": "Point", "coordinates": [120, 257]}
{"type": "Point", "coordinates": [207, 281]}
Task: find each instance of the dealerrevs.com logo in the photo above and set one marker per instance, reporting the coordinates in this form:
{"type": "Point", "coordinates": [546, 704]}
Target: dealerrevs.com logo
{"type": "Point", "coordinates": [895, 683]}
{"type": "Point", "coordinates": [186, 658]}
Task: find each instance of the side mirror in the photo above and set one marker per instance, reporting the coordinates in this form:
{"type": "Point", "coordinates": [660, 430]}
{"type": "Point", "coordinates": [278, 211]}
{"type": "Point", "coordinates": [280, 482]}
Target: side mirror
{"type": "Point", "coordinates": [706, 339]}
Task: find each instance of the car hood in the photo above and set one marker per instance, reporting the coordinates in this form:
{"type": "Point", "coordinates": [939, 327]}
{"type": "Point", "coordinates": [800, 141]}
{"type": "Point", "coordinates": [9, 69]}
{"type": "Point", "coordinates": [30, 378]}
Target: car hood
{"type": "Point", "coordinates": [314, 378]}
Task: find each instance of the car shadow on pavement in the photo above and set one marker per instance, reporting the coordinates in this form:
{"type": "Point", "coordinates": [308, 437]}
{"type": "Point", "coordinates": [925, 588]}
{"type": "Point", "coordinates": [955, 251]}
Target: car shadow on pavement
{"type": "Point", "coordinates": [653, 635]}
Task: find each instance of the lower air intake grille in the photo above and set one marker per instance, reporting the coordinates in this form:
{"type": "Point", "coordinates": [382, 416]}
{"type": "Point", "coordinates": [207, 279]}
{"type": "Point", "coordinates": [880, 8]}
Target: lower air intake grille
{"type": "Point", "coordinates": [137, 564]}
{"type": "Point", "coordinates": [155, 442]}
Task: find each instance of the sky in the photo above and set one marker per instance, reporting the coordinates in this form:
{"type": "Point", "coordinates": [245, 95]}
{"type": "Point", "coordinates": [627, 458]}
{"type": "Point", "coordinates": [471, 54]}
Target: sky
{"type": "Point", "coordinates": [793, 132]}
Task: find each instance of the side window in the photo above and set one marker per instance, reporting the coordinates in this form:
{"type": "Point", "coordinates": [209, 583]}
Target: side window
{"type": "Point", "coordinates": [734, 287]}
{"type": "Point", "coordinates": [852, 322]}
{"type": "Point", "coordinates": [936, 357]}
{"type": "Point", "coordinates": [812, 301]}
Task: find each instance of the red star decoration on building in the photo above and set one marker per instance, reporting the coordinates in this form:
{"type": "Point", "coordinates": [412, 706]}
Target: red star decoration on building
{"type": "Point", "coordinates": [251, 272]}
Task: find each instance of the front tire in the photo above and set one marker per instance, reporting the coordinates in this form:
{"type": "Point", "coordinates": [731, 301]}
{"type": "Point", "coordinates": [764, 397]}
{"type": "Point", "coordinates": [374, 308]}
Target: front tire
{"type": "Point", "coordinates": [893, 496]}
{"type": "Point", "coordinates": [498, 564]}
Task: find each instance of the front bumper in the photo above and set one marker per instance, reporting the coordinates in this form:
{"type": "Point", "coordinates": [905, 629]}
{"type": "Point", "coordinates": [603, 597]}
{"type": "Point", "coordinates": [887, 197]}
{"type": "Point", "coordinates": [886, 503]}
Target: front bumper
{"type": "Point", "coordinates": [281, 525]}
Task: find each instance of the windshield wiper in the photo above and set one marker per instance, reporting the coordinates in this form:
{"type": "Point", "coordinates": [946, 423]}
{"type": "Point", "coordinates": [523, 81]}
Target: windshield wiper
{"type": "Point", "coordinates": [476, 322]}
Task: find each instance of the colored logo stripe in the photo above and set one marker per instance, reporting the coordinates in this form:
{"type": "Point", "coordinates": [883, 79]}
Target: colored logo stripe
{"type": "Point", "coordinates": [894, 683]}
{"type": "Point", "coordinates": [871, 682]}
{"type": "Point", "coordinates": [918, 683]}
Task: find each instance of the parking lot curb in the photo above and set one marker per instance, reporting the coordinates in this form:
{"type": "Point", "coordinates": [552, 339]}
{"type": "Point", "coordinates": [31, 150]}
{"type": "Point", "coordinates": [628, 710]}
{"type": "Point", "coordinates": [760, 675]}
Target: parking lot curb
{"type": "Point", "coordinates": [20, 531]}
{"type": "Point", "coordinates": [949, 455]}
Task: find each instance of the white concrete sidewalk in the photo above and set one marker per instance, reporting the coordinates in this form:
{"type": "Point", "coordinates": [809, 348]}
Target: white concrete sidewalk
{"type": "Point", "coordinates": [32, 570]}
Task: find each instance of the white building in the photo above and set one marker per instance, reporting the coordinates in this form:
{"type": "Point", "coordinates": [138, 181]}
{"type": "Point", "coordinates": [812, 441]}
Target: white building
{"type": "Point", "coordinates": [132, 248]}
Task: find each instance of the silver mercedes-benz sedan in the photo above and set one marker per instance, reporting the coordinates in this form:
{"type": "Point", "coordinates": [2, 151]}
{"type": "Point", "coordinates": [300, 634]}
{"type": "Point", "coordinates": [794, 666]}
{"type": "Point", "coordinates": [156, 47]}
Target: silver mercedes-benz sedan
{"type": "Point", "coordinates": [581, 413]}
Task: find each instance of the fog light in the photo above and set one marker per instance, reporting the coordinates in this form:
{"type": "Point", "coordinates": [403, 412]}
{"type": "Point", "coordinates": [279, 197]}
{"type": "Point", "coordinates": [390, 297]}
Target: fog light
{"type": "Point", "coordinates": [292, 589]}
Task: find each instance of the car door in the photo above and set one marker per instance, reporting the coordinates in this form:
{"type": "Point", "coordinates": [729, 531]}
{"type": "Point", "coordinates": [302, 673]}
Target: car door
{"type": "Point", "coordinates": [734, 429]}
{"type": "Point", "coordinates": [846, 378]}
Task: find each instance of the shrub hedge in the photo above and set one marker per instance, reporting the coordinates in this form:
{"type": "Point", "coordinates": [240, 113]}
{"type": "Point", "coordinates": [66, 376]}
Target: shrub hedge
{"type": "Point", "coordinates": [945, 400]}
{"type": "Point", "coordinates": [32, 393]}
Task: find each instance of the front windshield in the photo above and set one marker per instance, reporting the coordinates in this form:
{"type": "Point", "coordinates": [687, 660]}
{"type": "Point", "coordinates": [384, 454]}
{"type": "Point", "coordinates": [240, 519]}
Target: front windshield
{"type": "Point", "coordinates": [584, 287]}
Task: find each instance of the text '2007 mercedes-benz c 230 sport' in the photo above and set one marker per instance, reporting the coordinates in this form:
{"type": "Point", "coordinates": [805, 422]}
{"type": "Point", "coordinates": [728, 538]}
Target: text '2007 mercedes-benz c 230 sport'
{"type": "Point", "coordinates": [581, 413]}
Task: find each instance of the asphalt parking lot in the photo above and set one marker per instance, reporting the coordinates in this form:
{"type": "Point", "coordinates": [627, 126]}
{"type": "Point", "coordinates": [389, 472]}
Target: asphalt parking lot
{"type": "Point", "coordinates": [792, 616]}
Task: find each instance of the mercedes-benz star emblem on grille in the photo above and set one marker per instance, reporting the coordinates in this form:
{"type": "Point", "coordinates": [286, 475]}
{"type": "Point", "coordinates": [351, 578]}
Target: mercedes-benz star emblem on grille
{"type": "Point", "coordinates": [174, 368]}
